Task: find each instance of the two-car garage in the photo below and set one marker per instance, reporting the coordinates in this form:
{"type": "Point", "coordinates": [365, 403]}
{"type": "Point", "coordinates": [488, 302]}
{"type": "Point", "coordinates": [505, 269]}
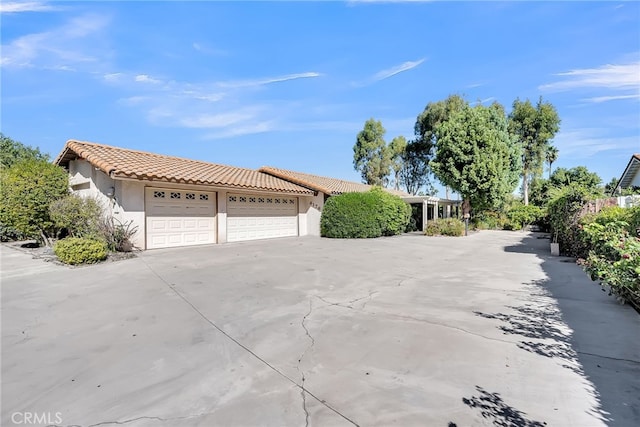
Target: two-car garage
{"type": "Point", "coordinates": [176, 217]}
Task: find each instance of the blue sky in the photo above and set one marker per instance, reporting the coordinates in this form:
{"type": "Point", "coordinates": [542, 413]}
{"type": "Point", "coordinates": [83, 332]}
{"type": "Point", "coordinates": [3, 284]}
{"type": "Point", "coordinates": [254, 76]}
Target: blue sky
{"type": "Point", "coordinates": [290, 84]}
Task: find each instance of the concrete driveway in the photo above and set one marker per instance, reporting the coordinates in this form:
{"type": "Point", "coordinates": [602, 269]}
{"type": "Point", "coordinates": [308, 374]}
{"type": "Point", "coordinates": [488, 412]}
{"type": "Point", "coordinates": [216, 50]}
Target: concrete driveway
{"type": "Point", "coordinates": [407, 331]}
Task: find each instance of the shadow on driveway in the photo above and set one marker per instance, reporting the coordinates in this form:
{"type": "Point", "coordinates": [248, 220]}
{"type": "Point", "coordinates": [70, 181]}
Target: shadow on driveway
{"type": "Point", "coordinates": [569, 319]}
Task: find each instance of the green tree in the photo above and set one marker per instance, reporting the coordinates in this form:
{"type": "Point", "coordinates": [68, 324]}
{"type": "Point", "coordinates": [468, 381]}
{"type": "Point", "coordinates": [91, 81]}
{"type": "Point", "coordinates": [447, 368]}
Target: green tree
{"type": "Point", "coordinates": [610, 187]}
{"type": "Point", "coordinates": [551, 155]}
{"type": "Point", "coordinates": [580, 176]}
{"type": "Point", "coordinates": [370, 154]}
{"type": "Point", "coordinates": [396, 149]}
{"type": "Point", "coordinates": [13, 151]}
{"type": "Point", "coordinates": [27, 188]}
{"type": "Point", "coordinates": [533, 127]}
{"type": "Point", "coordinates": [433, 115]}
{"type": "Point", "coordinates": [415, 171]}
{"type": "Point", "coordinates": [476, 156]}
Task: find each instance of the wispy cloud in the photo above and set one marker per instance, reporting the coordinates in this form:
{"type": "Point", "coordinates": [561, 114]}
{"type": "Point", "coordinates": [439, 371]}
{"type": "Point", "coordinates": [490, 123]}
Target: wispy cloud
{"type": "Point", "coordinates": [610, 76]}
{"type": "Point", "coordinates": [209, 121]}
{"type": "Point", "coordinates": [390, 72]}
{"type": "Point", "coordinates": [585, 142]}
{"type": "Point", "coordinates": [207, 49]}
{"type": "Point", "coordinates": [244, 129]}
{"type": "Point", "coordinates": [599, 99]}
{"type": "Point", "coordinates": [144, 78]}
{"type": "Point", "coordinates": [267, 80]}
{"type": "Point", "coordinates": [224, 108]}
{"type": "Point", "coordinates": [26, 6]}
{"type": "Point", "coordinates": [67, 46]}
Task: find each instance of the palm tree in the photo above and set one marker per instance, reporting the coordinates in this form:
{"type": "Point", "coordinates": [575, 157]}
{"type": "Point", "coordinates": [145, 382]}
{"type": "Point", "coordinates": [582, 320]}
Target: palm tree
{"type": "Point", "coordinates": [551, 155]}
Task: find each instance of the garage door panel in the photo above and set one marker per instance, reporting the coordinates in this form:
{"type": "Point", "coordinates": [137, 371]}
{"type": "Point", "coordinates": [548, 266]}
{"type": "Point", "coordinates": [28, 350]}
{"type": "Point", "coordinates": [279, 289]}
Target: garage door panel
{"type": "Point", "coordinates": [252, 217]}
{"type": "Point", "coordinates": [179, 218]}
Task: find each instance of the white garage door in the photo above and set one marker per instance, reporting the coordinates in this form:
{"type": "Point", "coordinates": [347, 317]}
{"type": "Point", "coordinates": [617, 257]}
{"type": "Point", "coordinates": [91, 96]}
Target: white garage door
{"type": "Point", "coordinates": [179, 217]}
{"type": "Point", "coordinates": [251, 217]}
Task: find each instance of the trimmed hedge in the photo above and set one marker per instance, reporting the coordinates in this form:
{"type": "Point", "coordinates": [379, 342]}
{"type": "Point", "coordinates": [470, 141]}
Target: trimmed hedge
{"type": "Point", "coordinates": [79, 250]}
{"type": "Point", "coordinates": [364, 215]}
{"type": "Point", "coordinates": [445, 227]}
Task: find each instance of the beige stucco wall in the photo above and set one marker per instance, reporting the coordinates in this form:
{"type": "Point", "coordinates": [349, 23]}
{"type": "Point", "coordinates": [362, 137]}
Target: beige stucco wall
{"type": "Point", "coordinates": [312, 212]}
{"type": "Point", "coordinates": [127, 203]}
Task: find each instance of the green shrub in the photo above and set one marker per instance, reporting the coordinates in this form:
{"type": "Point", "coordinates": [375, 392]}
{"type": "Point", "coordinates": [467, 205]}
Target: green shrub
{"type": "Point", "coordinates": [489, 220]}
{"type": "Point", "coordinates": [80, 250]}
{"type": "Point", "coordinates": [614, 255]}
{"type": "Point", "coordinates": [364, 215]}
{"type": "Point", "coordinates": [8, 233]}
{"type": "Point", "coordinates": [564, 216]}
{"type": "Point", "coordinates": [445, 227]}
{"type": "Point", "coordinates": [27, 188]}
{"type": "Point", "coordinates": [521, 216]}
{"type": "Point", "coordinates": [79, 217]}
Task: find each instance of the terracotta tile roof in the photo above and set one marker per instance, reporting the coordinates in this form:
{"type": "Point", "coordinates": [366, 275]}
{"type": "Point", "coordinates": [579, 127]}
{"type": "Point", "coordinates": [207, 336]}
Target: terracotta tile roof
{"type": "Point", "coordinates": [123, 163]}
{"type": "Point", "coordinates": [331, 186]}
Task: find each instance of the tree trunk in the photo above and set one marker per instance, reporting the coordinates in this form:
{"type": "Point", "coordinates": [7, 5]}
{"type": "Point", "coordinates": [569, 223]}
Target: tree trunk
{"type": "Point", "coordinates": [550, 163]}
{"type": "Point", "coordinates": [45, 239]}
{"type": "Point", "coordinates": [525, 187]}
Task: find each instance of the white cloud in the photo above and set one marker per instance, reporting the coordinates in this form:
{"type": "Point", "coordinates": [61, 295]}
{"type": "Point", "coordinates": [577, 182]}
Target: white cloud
{"type": "Point", "coordinates": [113, 77]}
{"type": "Point", "coordinates": [599, 99]}
{"type": "Point", "coordinates": [586, 142]}
{"type": "Point", "coordinates": [26, 6]}
{"type": "Point", "coordinates": [616, 77]}
{"type": "Point", "coordinates": [245, 129]}
{"type": "Point", "coordinates": [144, 78]}
{"type": "Point", "coordinates": [267, 80]}
{"type": "Point", "coordinates": [70, 45]}
{"type": "Point", "coordinates": [405, 66]}
{"type": "Point", "coordinates": [215, 120]}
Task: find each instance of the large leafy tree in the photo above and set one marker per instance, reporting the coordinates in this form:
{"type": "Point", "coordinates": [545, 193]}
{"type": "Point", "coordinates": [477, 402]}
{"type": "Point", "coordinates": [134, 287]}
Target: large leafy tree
{"type": "Point", "coordinates": [476, 156]}
{"type": "Point", "coordinates": [415, 171]}
{"type": "Point", "coordinates": [371, 156]}
{"type": "Point", "coordinates": [433, 115]}
{"type": "Point", "coordinates": [397, 148]}
{"type": "Point", "coordinates": [13, 151]}
{"type": "Point", "coordinates": [534, 127]}
{"type": "Point", "coordinates": [578, 175]}
{"type": "Point", "coordinates": [27, 188]}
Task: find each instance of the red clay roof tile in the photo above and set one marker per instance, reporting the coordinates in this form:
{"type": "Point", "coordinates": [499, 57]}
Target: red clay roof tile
{"type": "Point", "coordinates": [125, 163]}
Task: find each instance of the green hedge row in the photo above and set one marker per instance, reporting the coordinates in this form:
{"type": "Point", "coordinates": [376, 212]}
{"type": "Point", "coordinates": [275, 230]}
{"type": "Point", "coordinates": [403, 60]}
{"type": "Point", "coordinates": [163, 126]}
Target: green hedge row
{"type": "Point", "coordinates": [364, 215]}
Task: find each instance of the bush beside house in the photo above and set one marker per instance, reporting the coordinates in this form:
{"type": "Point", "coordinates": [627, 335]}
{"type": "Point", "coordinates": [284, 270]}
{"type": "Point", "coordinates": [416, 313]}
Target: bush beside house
{"type": "Point", "coordinates": [364, 215]}
{"type": "Point", "coordinates": [445, 227]}
{"type": "Point", "coordinates": [80, 250]}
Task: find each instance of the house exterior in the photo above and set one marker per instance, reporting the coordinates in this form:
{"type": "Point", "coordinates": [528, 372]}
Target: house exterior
{"type": "Point", "coordinates": [181, 202]}
{"type": "Point", "coordinates": [631, 175]}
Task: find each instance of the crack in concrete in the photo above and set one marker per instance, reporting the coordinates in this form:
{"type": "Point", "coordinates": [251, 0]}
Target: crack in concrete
{"type": "Point", "coordinates": [415, 319]}
{"type": "Point", "coordinates": [245, 348]}
{"type": "Point", "coordinates": [303, 378]}
{"type": "Point", "coordinates": [349, 304]}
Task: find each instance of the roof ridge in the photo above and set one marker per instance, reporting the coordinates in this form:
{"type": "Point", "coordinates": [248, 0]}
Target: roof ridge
{"type": "Point", "coordinates": [158, 155]}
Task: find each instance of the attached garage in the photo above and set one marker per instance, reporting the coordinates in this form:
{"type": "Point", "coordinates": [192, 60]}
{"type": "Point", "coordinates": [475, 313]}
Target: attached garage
{"type": "Point", "coordinates": [176, 217]}
{"type": "Point", "coordinates": [259, 216]}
